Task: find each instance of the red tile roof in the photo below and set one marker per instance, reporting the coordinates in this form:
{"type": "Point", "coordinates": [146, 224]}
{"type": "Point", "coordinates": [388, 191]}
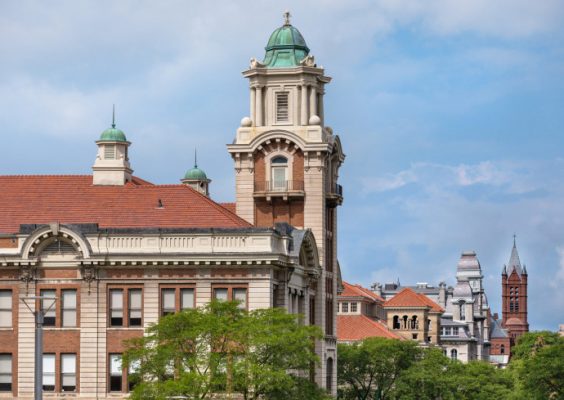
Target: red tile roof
{"type": "Point", "coordinates": [33, 199]}
{"type": "Point", "coordinates": [230, 206]}
{"type": "Point", "coordinates": [358, 327]}
{"type": "Point", "coordinates": [409, 298]}
{"type": "Point", "coordinates": [359, 291]}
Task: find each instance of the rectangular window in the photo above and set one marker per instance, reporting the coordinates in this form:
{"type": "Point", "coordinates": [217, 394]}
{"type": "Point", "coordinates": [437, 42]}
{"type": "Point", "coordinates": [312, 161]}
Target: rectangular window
{"type": "Point", "coordinates": [240, 295]}
{"type": "Point", "coordinates": [345, 307]}
{"type": "Point", "coordinates": [5, 372]}
{"type": "Point", "coordinates": [220, 294]}
{"type": "Point", "coordinates": [135, 307]}
{"type": "Point", "coordinates": [48, 372]}
{"type": "Point", "coordinates": [168, 301]}
{"type": "Point", "coordinates": [48, 307]}
{"type": "Point", "coordinates": [354, 307]}
{"type": "Point", "coordinates": [116, 307]}
{"type": "Point", "coordinates": [132, 379]}
{"type": "Point", "coordinates": [68, 308]}
{"type": "Point", "coordinates": [116, 373]}
{"type": "Point", "coordinates": [68, 372]}
{"type": "Point", "coordinates": [186, 298]}
{"type": "Point", "coordinates": [5, 308]}
{"type": "Point", "coordinates": [282, 114]}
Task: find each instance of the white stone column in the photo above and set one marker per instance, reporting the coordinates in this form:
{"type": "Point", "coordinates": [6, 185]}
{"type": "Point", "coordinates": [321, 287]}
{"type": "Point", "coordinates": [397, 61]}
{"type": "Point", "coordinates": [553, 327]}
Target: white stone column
{"type": "Point", "coordinates": [320, 107]}
{"type": "Point", "coordinates": [312, 102]}
{"type": "Point", "coordinates": [304, 118]}
{"type": "Point", "coordinates": [253, 106]}
{"type": "Point", "coordinates": [259, 104]}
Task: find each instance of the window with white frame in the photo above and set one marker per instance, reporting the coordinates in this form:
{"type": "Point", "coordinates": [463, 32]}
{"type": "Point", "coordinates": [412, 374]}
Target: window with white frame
{"type": "Point", "coordinates": [68, 308]}
{"type": "Point", "coordinates": [5, 372]}
{"type": "Point", "coordinates": [68, 372]}
{"type": "Point", "coordinates": [282, 107]}
{"type": "Point", "coordinates": [48, 372]}
{"type": "Point", "coordinates": [5, 308]}
{"type": "Point", "coordinates": [279, 173]}
{"type": "Point", "coordinates": [345, 307]}
{"type": "Point", "coordinates": [354, 307]}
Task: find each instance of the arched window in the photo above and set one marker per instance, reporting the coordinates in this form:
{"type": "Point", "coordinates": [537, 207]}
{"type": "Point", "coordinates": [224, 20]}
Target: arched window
{"type": "Point", "coordinates": [404, 325]}
{"type": "Point", "coordinates": [453, 354]}
{"type": "Point", "coordinates": [329, 381]}
{"type": "Point", "coordinates": [279, 173]}
{"type": "Point", "coordinates": [396, 324]}
{"type": "Point", "coordinates": [414, 323]}
{"type": "Point", "coordinates": [502, 351]}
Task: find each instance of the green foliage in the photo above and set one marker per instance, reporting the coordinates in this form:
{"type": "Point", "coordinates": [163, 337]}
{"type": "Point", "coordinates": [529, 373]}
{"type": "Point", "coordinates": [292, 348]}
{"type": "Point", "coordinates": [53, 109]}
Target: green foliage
{"type": "Point", "coordinates": [529, 342]}
{"type": "Point", "coordinates": [220, 348]}
{"type": "Point", "coordinates": [369, 369]}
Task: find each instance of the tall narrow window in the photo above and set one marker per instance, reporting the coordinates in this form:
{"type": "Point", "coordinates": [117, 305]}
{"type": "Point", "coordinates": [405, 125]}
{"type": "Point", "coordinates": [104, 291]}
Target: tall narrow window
{"type": "Point", "coordinates": [68, 308]}
{"type": "Point", "coordinates": [279, 173]}
{"type": "Point", "coordinates": [354, 307]}
{"type": "Point", "coordinates": [453, 354]}
{"type": "Point", "coordinates": [68, 372]}
{"type": "Point", "coordinates": [462, 311]}
{"type": "Point", "coordinates": [240, 295]}
{"type": "Point", "coordinates": [329, 376]}
{"type": "Point", "coordinates": [282, 107]}
{"type": "Point", "coordinates": [48, 372]}
{"type": "Point", "coordinates": [116, 307]}
{"type": "Point", "coordinates": [5, 372]}
{"type": "Point", "coordinates": [345, 307]}
{"type": "Point", "coordinates": [135, 307]}
{"type": "Point", "coordinates": [49, 308]}
{"type": "Point", "coordinates": [5, 308]}
{"type": "Point", "coordinates": [186, 299]}
{"type": "Point", "coordinates": [168, 301]}
{"type": "Point", "coordinates": [116, 373]}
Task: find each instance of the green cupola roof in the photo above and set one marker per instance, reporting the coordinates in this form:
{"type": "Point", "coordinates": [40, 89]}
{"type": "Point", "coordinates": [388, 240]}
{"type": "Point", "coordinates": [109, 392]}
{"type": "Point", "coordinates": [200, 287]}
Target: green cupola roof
{"type": "Point", "coordinates": [196, 174]}
{"type": "Point", "coordinates": [286, 46]}
{"type": "Point", "coordinates": [113, 134]}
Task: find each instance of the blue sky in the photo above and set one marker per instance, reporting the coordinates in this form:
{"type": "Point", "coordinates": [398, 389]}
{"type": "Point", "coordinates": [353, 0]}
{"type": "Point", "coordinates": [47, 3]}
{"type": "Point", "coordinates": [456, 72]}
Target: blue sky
{"type": "Point", "coordinates": [450, 113]}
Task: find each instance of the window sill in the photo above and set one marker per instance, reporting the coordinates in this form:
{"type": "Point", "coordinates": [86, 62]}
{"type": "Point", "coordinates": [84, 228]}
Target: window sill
{"type": "Point", "coordinates": [125, 328]}
{"type": "Point", "coordinates": [54, 328]}
{"type": "Point", "coordinates": [6, 329]}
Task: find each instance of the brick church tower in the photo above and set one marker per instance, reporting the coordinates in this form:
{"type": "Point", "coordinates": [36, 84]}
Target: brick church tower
{"type": "Point", "coordinates": [286, 167]}
{"type": "Point", "coordinates": [514, 296]}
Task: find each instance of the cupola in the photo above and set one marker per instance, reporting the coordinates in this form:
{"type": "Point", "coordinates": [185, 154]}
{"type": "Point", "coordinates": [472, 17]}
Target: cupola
{"type": "Point", "coordinates": [112, 166]}
{"type": "Point", "coordinates": [197, 178]}
{"type": "Point", "coordinates": [286, 46]}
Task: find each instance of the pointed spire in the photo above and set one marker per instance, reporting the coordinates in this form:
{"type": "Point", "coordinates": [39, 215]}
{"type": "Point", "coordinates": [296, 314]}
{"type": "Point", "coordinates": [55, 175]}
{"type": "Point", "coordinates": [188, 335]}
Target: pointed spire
{"type": "Point", "coordinates": [195, 157]}
{"type": "Point", "coordinates": [113, 115]}
{"type": "Point", "coordinates": [514, 261]}
{"type": "Point", "coordinates": [504, 271]}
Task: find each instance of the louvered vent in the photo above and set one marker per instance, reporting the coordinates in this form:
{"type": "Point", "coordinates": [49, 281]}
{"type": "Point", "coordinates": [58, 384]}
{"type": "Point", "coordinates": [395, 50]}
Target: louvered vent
{"type": "Point", "coordinates": [59, 247]}
{"type": "Point", "coordinates": [109, 152]}
{"type": "Point", "coordinates": [282, 107]}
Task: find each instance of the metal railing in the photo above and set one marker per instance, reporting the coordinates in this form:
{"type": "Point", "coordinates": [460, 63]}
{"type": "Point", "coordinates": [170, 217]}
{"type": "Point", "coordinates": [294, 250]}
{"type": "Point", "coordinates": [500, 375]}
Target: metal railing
{"type": "Point", "coordinates": [279, 186]}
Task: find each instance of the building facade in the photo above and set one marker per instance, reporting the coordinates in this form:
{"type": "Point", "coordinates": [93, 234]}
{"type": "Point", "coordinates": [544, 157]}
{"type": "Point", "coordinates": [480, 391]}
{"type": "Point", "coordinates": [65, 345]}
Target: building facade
{"type": "Point", "coordinates": [118, 252]}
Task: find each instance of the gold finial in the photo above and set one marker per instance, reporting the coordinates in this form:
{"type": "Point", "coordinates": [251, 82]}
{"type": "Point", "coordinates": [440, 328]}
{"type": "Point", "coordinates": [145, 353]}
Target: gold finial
{"type": "Point", "coordinates": [287, 16]}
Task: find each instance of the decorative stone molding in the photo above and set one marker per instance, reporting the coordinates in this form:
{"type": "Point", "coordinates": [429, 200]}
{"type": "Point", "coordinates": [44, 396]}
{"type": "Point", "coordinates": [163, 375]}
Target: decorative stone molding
{"type": "Point", "coordinates": [27, 275]}
{"type": "Point", "coordinates": [89, 275]}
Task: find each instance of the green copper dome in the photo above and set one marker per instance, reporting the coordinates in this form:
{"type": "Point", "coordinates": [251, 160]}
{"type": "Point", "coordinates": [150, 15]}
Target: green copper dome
{"type": "Point", "coordinates": [286, 47]}
{"type": "Point", "coordinates": [196, 174]}
{"type": "Point", "coordinates": [113, 134]}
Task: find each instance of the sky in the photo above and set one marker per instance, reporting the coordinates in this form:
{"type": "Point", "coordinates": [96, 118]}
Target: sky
{"type": "Point", "coordinates": [451, 115]}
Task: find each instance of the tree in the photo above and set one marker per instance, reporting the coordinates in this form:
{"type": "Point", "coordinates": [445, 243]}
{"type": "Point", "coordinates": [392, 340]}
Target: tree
{"type": "Point", "coordinates": [369, 369]}
{"type": "Point", "coordinates": [538, 366]}
{"type": "Point", "coordinates": [220, 348]}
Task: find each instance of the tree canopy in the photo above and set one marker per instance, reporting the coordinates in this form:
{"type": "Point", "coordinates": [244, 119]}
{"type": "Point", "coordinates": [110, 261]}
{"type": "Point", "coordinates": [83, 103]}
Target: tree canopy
{"type": "Point", "coordinates": [221, 348]}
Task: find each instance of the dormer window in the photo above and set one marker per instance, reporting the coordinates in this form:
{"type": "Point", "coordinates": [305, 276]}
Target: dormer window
{"type": "Point", "coordinates": [279, 173]}
{"type": "Point", "coordinates": [282, 107]}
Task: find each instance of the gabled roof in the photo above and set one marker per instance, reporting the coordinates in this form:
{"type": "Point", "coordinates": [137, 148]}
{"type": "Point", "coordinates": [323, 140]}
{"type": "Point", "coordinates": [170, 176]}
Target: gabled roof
{"type": "Point", "coordinates": [73, 199]}
{"type": "Point", "coordinates": [358, 327]}
{"type": "Point", "coordinates": [359, 291]}
{"type": "Point", "coordinates": [409, 298]}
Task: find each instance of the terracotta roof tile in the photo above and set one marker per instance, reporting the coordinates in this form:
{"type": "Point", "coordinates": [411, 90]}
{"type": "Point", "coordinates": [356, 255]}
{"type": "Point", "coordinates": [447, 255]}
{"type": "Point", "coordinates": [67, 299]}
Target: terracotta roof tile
{"type": "Point", "coordinates": [33, 199]}
{"type": "Point", "coordinates": [229, 206]}
{"type": "Point", "coordinates": [409, 298]}
{"type": "Point", "coordinates": [358, 291]}
{"type": "Point", "coordinates": [358, 327]}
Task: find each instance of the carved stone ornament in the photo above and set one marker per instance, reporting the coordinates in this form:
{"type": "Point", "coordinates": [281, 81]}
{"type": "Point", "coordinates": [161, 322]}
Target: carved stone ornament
{"type": "Point", "coordinates": [89, 276]}
{"type": "Point", "coordinates": [255, 64]}
{"type": "Point", "coordinates": [308, 61]}
{"type": "Point", "coordinates": [27, 275]}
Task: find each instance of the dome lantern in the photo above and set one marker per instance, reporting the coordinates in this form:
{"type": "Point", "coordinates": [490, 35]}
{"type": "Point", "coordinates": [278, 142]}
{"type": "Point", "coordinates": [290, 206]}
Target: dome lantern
{"type": "Point", "coordinates": [197, 178]}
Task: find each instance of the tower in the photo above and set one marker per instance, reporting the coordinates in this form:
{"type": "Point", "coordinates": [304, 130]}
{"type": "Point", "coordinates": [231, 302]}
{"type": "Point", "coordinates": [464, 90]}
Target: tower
{"type": "Point", "coordinates": [286, 167]}
{"type": "Point", "coordinates": [112, 161]}
{"type": "Point", "coordinates": [197, 179]}
{"type": "Point", "coordinates": [514, 296]}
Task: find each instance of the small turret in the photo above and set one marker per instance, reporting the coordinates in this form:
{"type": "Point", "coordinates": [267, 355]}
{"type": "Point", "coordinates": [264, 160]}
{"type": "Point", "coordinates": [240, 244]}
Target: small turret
{"type": "Point", "coordinates": [196, 178]}
{"type": "Point", "coordinates": [112, 166]}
